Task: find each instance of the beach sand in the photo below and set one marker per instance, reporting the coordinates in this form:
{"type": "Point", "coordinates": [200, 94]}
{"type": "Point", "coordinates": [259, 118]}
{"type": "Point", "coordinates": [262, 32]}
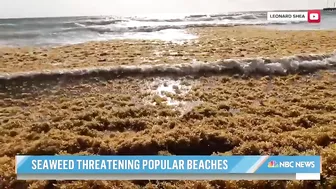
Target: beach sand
{"type": "Point", "coordinates": [289, 115]}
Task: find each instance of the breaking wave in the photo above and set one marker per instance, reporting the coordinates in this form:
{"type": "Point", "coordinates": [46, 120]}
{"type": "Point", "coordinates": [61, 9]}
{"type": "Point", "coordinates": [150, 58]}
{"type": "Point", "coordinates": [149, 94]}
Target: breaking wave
{"type": "Point", "coordinates": [299, 64]}
{"type": "Point", "coordinates": [155, 28]}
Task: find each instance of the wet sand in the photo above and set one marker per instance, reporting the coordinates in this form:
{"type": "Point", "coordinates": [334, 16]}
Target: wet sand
{"type": "Point", "coordinates": [293, 114]}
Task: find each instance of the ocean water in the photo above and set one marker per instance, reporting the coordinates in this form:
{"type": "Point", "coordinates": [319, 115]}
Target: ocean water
{"type": "Point", "coordinates": [73, 30]}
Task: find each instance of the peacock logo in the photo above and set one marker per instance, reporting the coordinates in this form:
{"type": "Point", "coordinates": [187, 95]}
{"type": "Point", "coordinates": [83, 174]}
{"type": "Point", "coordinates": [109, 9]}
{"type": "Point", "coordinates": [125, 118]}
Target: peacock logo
{"type": "Point", "coordinates": [272, 164]}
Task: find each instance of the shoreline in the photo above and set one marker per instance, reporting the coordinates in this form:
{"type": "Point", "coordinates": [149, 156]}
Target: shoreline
{"type": "Point", "coordinates": [211, 45]}
{"type": "Point", "coordinates": [299, 64]}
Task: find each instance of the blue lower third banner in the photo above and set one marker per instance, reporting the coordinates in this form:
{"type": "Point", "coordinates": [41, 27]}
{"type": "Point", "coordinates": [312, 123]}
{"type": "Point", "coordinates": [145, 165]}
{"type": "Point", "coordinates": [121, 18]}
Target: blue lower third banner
{"type": "Point", "coordinates": [67, 167]}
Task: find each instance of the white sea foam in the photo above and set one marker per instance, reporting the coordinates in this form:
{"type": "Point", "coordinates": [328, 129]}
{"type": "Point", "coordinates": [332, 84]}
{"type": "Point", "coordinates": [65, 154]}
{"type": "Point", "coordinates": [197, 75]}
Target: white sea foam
{"type": "Point", "coordinates": [250, 66]}
{"type": "Point", "coordinates": [170, 86]}
{"type": "Point", "coordinates": [169, 90]}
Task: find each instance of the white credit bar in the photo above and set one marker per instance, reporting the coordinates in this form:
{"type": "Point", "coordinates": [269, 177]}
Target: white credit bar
{"type": "Point", "coordinates": [287, 16]}
{"type": "Point", "coordinates": [308, 176]}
